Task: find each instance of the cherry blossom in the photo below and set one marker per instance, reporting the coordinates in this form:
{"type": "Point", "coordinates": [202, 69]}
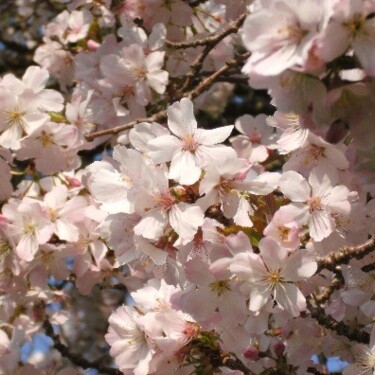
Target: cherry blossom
{"type": "Point", "coordinates": [364, 359]}
{"type": "Point", "coordinates": [129, 344]}
{"type": "Point", "coordinates": [272, 273]}
{"type": "Point", "coordinates": [190, 148]}
{"type": "Point", "coordinates": [315, 201]}
{"type": "Point", "coordinates": [29, 225]}
{"type": "Point", "coordinates": [281, 36]}
{"type": "Point", "coordinates": [256, 140]}
{"type": "Point", "coordinates": [139, 235]}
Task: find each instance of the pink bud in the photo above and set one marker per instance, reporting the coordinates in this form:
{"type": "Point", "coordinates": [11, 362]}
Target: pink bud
{"type": "Point", "coordinates": [279, 348]}
{"type": "Point", "coordinates": [73, 182]}
{"type": "Point", "coordinates": [251, 353]}
{"type": "Point", "coordinates": [92, 45]}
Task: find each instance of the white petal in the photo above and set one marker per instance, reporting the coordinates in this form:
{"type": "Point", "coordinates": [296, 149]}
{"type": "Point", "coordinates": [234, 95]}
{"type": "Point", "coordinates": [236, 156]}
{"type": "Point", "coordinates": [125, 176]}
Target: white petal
{"type": "Point", "coordinates": [290, 298]}
{"type": "Point", "coordinates": [163, 148]}
{"type": "Point", "coordinates": [184, 168]}
{"type": "Point", "coordinates": [299, 266]}
{"type": "Point", "coordinates": [151, 226]}
{"type": "Point", "coordinates": [321, 225]}
{"type": "Point", "coordinates": [272, 253]}
{"type": "Point", "coordinates": [213, 136]}
{"type": "Point", "coordinates": [294, 187]}
{"type": "Point", "coordinates": [259, 297]}
{"type": "Point", "coordinates": [181, 120]}
{"type": "Point", "coordinates": [185, 220]}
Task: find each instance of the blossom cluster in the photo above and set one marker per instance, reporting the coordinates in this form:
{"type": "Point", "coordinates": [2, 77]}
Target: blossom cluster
{"type": "Point", "coordinates": [244, 248]}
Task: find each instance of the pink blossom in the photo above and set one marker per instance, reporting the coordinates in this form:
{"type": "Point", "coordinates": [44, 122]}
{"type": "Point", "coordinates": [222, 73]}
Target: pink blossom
{"type": "Point", "coordinates": [29, 225]}
{"type": "Point", "coordinates": [284, 229]}
{"type": "Point", "coordinates": [364, 358]}
{"type": "Point", "coordinates": [315, 201]}
{"type": "Point", "coordinates": [280, 35]}
{"type": "Point", "coordinates": [272, 273]}
{"type": "Point", "coordinates": [256, 139]}
{"type": "Point", "coordinates": [189, 149]}
{"type": "Point", "coordinates": [350, 25]}
{"type": "Point", "coordinates": [64, 213]}
{"type": "Point", "coordinates": [159, 207]}
{"type": "Point", "coordinates": [129, 343]}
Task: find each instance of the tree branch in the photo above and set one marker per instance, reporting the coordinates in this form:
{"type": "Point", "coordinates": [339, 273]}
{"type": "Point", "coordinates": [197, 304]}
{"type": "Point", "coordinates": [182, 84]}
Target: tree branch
{"type": "Point", "coordinates": [326, 293]}
{"type": "Point", "coordinates": [368, 267]}
{"type": "Point", "coordinates": [340, 328]}
{"type": "Point", "coordinates": [162, 115]}
{"type": "Point", "coordinates": [75, 358]}
{"type": "Point", "coordinates": [194, 3]}
{"type": "Point", "coordinates": [159, 116]}
{"type": "Point", "coordinates": [210, 43]}
{"type": "Point", "coordinates": [213, 39]}
{"type": "Point", "coordinates": [207, 83]}
{"type": "Point", "coordinates": [344, 255]}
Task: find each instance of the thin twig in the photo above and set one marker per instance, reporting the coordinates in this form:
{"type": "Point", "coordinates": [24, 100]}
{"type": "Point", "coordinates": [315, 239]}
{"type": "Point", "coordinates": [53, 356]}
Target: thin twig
{"type": "Point", "coordinates": [207, 83]}
{"type": "Point", "coordinates": [212, 39]}
{"type": "Point", "coordinates": [162, 115]}
{"type": "Point", "coordinates": [159, 116]}
{"type": "Point", "coordinates": [73, 357]}
{"type": "Point", "coordinates": [210, 43]}
{"type": "Point", "coordinates": [194, 3]}
{"type": "Point", "coordinates": [344, 255]}
{"type": "Point", "coordinates": [340, 328]}
{"type": "Point", "coordinates": [327, 292]}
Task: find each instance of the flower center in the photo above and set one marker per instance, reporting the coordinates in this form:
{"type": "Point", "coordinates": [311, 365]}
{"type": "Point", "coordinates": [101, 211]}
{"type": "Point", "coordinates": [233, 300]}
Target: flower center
{"type": "Point", "coordinates": [126, 93]}
{"type": "Point", "coordinates": [46, 139]}
{"type": "Point", "coordinates": [165, 201]}
{"type": "Point", "coordinates": [294, 33]}
{"type": "Point", "coordinates": [283, 233]}
{"type": "Point", "coordinates": [274, 278]}
{"type": "Point", "coordinates": [5, 250]}
{"type": "Point", "coordinates": [225, 185]}
{"type": "Point", "coordinates": [189, 143]}
{"type": "Point", "coordinates": [46, 258]}
{"type": "Point", "coordinates": [15, 117]}
{"type": "Point", "coordinates": [315, 204]}
{"type": "Point", "coordinates": [356, 24]}
{"type": "Point", "coordinates": [255, 137]}
{"type": "Point", "coordinates": [30, 229]}
{"type": "Point", "coordinates": [190, 330]}
{"type": "Point", "coordinates": [139, 73]}
{"type": "Point", "coordinates": [53, 214]}
{"type": "Point", "coordinates": [220, 286]}
{"type": "Point", "coordinates": [313, 153]}
{"type": "Point", "coordinates": [366, 360]}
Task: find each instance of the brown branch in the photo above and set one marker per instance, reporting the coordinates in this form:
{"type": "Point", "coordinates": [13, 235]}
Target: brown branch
{"type": "Point", "coordinates": [368, 267]}
{"type": "Point", "coordinates": [73, 357]}
{"type": "Point", "coordinates": [194, 3]}
{"type": "Point", "coordinates": [210, 43]}
{"type": "Point", "coordinates": [211, 40]}
{"type": "Point", "coordinates": [326, 293]}
{"type": "Point", "coordinates": [207, 83]}
{"type": "Point", "coordinates": [162, 115]}
{"type": "Point", "coordinates": [159, 116]}
{"type": "Point", "coordinates": [236, 364]}
{"type": "Point", "coordinates": [313, 370]}
{"type": "Point", "coordinates": [344, 255]}
{"type": "Point", "coordinates": [340, 328]}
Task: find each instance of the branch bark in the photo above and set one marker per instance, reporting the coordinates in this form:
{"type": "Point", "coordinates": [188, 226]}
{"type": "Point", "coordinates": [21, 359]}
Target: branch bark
{"type": "Point", "coordinates": [162, 115]}
{"type": "Point", "coordinates": [340, 328]}
{"type": "Point", "coordinates": [73, 357]}
{"type": "Point", "coordinates": [344, 255]}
